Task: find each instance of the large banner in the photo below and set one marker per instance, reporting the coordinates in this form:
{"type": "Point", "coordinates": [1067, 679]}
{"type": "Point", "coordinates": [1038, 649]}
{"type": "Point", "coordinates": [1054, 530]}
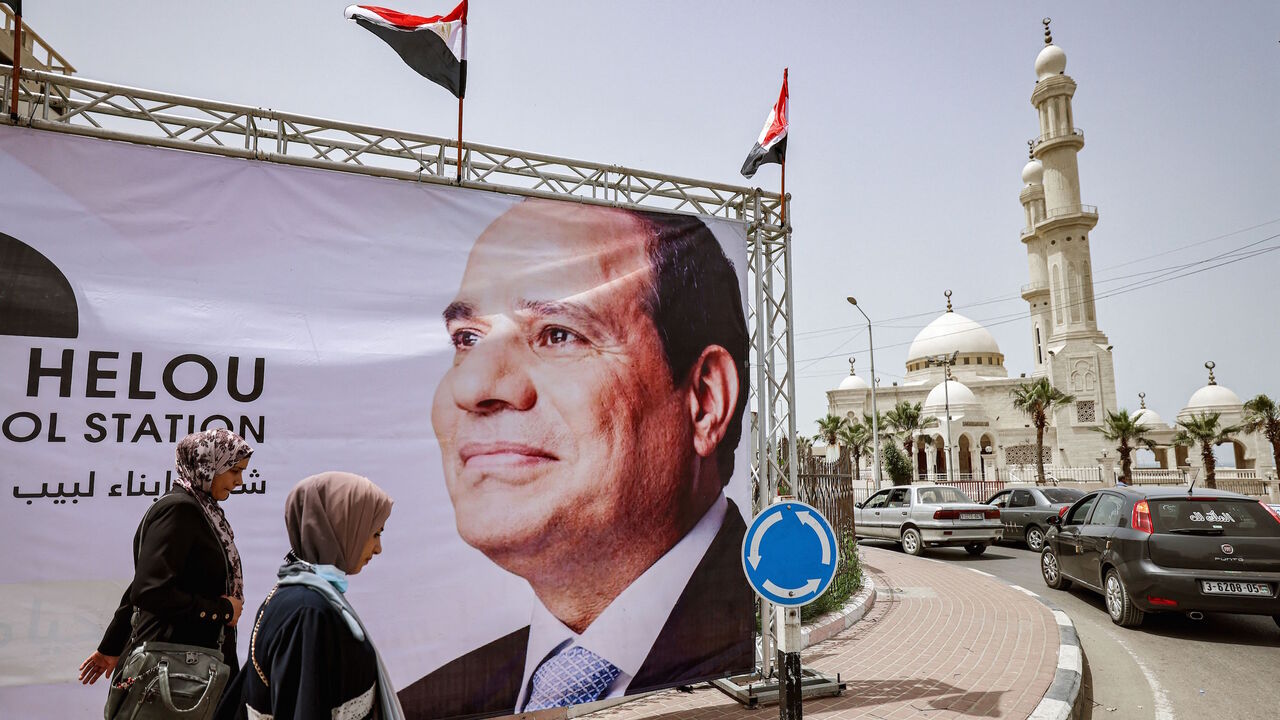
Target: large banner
{"type": "Point", "coordinates": [552, 392]}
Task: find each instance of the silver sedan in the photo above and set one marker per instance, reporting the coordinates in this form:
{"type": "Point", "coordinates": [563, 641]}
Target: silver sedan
{"type": "Point", "coordinates": [920, 516]}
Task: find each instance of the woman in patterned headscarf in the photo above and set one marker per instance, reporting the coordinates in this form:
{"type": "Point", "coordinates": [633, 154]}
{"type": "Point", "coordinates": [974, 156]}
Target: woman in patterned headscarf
{"type": "Point", "coordinates": [187, 583]}
{"type": "Point", "coordinates": [309, 654]}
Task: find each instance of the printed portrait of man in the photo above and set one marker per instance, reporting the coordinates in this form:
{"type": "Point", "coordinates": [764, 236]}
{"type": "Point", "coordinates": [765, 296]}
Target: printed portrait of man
{"type": "Point", "coordinates": [588, 426]}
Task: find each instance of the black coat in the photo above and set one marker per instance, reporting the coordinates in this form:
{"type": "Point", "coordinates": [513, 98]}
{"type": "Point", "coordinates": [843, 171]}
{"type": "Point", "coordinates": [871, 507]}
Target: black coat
{"type": "Point", "coordinates": [709, 634]}
{"type": "Point", "coordinates": [311, 659]}
{"type": "Point", "coordinates": [179, 578]}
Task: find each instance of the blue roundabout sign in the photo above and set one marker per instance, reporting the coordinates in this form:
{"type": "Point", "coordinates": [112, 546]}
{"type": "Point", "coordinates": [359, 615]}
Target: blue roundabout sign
{"type": "Point", "coordinates": [790, 554]}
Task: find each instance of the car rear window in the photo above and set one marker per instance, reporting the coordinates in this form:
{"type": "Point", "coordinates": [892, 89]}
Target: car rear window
{"type": "Point", "coordinates": [1062, 495]}
{"type": "Point", "coordinates": [938, 495]}
{"type": "Point", "coordinates": [1221, 516]}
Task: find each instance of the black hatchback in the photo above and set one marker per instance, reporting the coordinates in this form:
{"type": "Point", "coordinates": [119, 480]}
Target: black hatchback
{"type": "Point", "coordinates": [1168, 550]}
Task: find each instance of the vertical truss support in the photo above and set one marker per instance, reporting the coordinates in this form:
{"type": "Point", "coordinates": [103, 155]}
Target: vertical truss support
{"type": "Point", "coordinates": [773, 381]}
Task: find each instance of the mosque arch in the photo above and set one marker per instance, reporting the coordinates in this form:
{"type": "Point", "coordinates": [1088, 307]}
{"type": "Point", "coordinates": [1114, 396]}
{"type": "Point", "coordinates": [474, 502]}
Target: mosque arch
{"type": "Point", "coordinates": [964, 455]}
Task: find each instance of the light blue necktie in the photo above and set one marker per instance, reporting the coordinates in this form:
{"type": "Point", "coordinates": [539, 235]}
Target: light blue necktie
{"type": "Point", "coordinates": [572, 676]}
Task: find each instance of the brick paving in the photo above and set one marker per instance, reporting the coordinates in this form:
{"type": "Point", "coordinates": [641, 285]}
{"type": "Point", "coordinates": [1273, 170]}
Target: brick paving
{"type": "Point", "coordinates": [941, 642]}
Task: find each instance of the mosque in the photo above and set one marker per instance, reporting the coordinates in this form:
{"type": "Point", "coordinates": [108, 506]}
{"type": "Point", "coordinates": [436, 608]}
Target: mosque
{"type": "Point", "coordinates": [988, 437]}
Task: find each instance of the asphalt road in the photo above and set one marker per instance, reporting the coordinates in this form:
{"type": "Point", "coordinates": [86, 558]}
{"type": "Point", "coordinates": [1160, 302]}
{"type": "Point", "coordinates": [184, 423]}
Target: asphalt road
{"type": "Point", "coordinates": [1225, 666]}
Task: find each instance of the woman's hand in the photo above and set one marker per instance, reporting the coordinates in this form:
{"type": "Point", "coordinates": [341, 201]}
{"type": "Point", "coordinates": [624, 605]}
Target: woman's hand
{"type": "Point", "coordinates": [236, 606]}
{"type": "Point", "coordinates": [96, 666]}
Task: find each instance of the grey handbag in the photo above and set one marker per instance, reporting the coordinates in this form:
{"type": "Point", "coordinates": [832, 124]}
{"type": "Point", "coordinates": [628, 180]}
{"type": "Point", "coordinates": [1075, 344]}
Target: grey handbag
{"type": "Point", "coordinates": [167, 681]}
{"type": "Point", "coordinates": [164, 681]}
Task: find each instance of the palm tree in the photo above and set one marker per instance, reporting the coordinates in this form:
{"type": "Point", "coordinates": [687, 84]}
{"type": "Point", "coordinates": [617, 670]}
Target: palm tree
{"type": "Point", "coordinates": [1204, 428]}
{"type": "Point", "coordinates": [856, 437]}
{"type": "Point", "coordinates": [829, 431]}
{"type": "Point", "coordinates": [908, 419]}
{"type": "Point", "coordinates": [1120, 427]}
{"type": "Point", "coordinates": [1038, 399]}
{"type": "Point", "coordinates": [1262, 414]}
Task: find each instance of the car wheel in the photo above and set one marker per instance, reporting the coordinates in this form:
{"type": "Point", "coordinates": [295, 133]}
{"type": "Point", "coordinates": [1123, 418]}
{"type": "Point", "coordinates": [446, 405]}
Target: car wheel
{"type": "Point", "coordinates": [975, 549]}
{"type": "Point", "coordinates": [1035, 538]}
{"type": "Point", "coordinates": [1051, 572]}
{"type": "Point", "coordinates": [1119, 605]}
{"type": "Point", "coordinates": [911, 542]}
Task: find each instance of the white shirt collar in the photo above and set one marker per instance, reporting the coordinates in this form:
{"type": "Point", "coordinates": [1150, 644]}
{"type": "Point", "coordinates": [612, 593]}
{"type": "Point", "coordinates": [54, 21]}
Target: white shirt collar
{"type": "Point", "coordinates": [625, 632]}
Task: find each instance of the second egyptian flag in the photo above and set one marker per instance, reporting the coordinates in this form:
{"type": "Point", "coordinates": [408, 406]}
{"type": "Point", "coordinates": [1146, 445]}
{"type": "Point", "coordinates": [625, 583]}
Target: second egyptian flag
{"type": "Point", "coordinates": [772, 145]}
{"type": "Point", "coordinates": [436, 47]}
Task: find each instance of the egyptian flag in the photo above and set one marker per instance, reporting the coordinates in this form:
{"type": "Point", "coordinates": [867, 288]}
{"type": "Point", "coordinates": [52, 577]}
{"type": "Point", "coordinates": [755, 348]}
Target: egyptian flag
{"type": "Point", "coordinates": [772, 145]}
{"type": "Point", "coordinates": [436, 47]}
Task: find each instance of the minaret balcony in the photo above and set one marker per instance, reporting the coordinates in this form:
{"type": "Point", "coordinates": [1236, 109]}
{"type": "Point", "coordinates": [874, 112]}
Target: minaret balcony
{"type": "Point", "coordinates": [1058, 138]}
{"type": "Point", "coordinates": [1034, 289]}
{"type": "Point", "coordinates": [1068, 216]}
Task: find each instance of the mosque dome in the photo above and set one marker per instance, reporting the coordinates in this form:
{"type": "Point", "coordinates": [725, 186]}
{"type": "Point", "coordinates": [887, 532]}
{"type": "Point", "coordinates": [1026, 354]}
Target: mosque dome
{"type": "Point", "coordinates": [952, 332]}
{"type": "Point", "coordinates": [852, 381]}
{"type": "Point", "coordinates": [1149, 418]}
{"type": "Point", "coordinates": [961, 399]}
{"type": "Point", "coordinates": [1051, 61]}
{"type": "Point", "coordinates": [1033, 173]}
{"type": "Point", "coordinates": [1212, 398]}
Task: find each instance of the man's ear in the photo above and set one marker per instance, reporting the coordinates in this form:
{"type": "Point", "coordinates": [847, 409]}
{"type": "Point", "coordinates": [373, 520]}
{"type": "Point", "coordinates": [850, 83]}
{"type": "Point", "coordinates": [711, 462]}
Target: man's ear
{"type": "Point", "coordinates": [713, 396]}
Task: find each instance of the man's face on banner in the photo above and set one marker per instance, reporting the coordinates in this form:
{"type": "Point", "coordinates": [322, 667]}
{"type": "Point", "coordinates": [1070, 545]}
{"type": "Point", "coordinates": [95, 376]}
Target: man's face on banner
{"type": "Point", "coordinates": [558, 422]}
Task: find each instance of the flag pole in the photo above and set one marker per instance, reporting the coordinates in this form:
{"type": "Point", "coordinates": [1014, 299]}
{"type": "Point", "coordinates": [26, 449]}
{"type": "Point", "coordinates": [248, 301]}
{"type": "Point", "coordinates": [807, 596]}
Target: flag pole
{"type": "Point", "coordinates": [784, 157]}
{"type": "Point", "coordinates": [464, 89]}
{"type": "Point", "coordinates": [459, 174]}
{"type": "Point", "coordinates": [17, 63]}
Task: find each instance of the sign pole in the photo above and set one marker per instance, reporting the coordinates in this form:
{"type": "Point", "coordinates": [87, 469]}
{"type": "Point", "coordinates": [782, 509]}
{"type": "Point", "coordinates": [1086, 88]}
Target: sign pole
{"type": "Point", "coordinates": [790, 706]}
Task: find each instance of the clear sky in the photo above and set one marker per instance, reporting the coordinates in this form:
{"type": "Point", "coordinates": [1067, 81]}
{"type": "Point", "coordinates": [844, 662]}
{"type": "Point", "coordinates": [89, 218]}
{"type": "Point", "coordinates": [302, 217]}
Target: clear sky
{"type": "Point", "coordinates": [908, 135]}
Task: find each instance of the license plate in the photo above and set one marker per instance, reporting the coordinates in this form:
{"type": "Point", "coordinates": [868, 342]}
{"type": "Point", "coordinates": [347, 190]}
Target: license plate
{"type": "Point", "coordinates": [1220, 587]}
{"type": "Point", "coordinates": [971, 516]}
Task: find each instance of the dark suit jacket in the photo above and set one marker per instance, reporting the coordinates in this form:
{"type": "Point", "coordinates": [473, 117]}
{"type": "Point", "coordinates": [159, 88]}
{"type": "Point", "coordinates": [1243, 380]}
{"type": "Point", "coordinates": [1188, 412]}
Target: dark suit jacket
{"type": "Point", "coordinates": [709, 634]}
{"type": "Point", "coordinates": [179, 577]}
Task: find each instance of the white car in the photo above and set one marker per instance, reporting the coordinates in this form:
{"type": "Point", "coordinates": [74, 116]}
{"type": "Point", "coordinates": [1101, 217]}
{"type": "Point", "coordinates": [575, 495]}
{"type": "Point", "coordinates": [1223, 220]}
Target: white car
{"type": "Point", "coordinates": [920, 516]}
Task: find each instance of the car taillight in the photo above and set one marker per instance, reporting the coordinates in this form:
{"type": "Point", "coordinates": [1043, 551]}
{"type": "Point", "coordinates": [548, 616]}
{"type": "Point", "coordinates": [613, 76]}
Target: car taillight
{"type": "Point", "coordinates": [1062, 512]}
{"type": "Point", "coordinates": [1273, 512]}
{"type": "Point", "coordinates": [993, 514]}
{"type": "Point", "coordinates": [946, 514]}
{"type": "Point", "coordinates": [1166, 602]}
{"type": "Point", "coordinates": [1141, 519]}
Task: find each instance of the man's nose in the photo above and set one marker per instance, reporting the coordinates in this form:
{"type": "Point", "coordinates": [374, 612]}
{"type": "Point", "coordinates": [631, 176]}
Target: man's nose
{"type": "Point", "coordinates": [494, 375]}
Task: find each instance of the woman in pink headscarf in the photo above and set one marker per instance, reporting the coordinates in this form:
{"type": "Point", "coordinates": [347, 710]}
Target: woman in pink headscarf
{"type": "Point", "coordinates": [309, 654]}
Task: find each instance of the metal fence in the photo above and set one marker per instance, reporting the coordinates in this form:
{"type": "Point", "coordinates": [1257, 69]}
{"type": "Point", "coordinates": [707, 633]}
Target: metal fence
{"type": "Point", "coordinates": [834, 496]}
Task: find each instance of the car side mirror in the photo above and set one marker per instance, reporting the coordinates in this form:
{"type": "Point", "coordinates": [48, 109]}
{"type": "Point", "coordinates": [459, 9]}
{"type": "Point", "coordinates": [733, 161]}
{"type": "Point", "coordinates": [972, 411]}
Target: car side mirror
{"type": "Point", "coordinates": [859, 505]}
{"type": "Point", "coordinates": [1054, 520]}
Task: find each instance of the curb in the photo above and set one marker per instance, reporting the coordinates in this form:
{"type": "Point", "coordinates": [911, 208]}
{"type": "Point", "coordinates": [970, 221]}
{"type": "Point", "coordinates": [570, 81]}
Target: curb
{"type": "Point", "coordinates": [833, 623]}
{"type": "Point", "coordinates": [1062, 700]}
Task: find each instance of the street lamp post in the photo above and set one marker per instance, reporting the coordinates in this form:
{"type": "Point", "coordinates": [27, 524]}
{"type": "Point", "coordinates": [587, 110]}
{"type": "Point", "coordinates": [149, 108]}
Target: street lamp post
{"type": "Point", "coordinates": [875, 410]}
{"type": "Point", "coordinates": [945, 361]}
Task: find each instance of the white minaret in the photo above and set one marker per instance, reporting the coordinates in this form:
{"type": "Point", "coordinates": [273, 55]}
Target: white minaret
{"type": "Point", "coordinates": [1067, 346]}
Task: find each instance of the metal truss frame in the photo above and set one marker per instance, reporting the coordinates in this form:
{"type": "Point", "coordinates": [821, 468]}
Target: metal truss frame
{"type": "Point", "coordinates": [66, 104]}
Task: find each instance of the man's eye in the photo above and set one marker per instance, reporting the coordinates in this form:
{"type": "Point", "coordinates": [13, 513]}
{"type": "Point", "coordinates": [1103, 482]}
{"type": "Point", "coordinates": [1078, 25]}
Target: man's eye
{"type": "Point", "coordinates": [560, 336]}
{"type": "Point", "coordinates": [464, 338]}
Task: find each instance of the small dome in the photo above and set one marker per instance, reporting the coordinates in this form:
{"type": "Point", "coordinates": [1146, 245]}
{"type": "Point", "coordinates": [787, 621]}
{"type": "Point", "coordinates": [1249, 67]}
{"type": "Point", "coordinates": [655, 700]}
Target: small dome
{"type": "Point", "coordinates": [1033, 173]}
{"type": "Point", "coordinates": [1213, 398]}
{"type": "Point", "coordinates": [955, 393]}
{"type": "Point", "coordinates": [1147, 417]}
{"type": "Point", "coordinates": [853, 382]}
{"type": "Point", "coordinates": [951, 332]}
{"type": "Point", "coordinates": [1051, 61]}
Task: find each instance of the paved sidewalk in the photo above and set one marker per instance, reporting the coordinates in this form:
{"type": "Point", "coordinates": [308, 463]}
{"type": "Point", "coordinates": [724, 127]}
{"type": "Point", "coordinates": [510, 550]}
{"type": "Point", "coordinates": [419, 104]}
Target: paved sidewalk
{"type": "Point", "coordinates": [940, 642]}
